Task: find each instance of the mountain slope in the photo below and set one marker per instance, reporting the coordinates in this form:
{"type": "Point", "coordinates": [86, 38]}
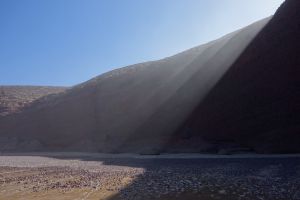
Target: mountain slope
{"type": "Point", "coordinates": [239, 90]}
{"type": "Point", "coordinates": [15, 98]}
{"type": "Point", "coordinates": [257, 102]}
{"type": "Point", "coordinates": [108, 111]}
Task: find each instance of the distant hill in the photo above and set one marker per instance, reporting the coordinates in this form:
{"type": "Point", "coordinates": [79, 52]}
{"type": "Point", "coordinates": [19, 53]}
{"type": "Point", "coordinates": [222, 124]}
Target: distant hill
{"type": "Point", "coordinates": [15, 98]}
{"type": "Point", "coordinates": [240, 92]}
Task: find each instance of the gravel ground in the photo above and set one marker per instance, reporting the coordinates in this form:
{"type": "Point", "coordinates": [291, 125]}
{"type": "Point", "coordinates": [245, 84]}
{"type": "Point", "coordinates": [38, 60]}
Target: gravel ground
{"type": "Point", "coordinates": [105, 177]}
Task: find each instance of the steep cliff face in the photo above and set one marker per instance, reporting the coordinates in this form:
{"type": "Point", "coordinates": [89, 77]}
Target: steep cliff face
{"type": "Point", "coordinates": [256, 103]}
{"type": "Point", "coordinates": [239, 90]}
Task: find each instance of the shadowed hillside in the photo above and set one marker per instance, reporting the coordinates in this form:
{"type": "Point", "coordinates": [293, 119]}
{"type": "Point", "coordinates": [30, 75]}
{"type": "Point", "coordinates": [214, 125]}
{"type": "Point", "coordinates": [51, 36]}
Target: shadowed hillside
{"type": "Point", "coordinates": [256, 103]}
{"type": "Point", "coordinates": [239, 91]}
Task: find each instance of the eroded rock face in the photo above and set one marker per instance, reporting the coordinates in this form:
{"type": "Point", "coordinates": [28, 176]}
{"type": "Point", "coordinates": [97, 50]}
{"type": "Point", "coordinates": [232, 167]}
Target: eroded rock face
{"type": "Point", "coordinates": [241, 90]}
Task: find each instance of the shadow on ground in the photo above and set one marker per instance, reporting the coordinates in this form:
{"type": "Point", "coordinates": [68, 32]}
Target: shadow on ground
{"type": "Point", "coordinates": [204, 178]}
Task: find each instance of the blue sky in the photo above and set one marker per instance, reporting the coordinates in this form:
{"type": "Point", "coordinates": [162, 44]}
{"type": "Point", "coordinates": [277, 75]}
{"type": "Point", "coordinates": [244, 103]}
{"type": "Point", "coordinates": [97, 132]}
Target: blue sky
{"type": "Point", "coordinates": [65, 42]}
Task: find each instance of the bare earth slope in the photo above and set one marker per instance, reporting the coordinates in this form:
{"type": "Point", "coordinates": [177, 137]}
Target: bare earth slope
{"type": "Point", "coordinates": [106, 112]}
{"type": "Point", "coordinates": [239, 90]}
{"type": "Point", "coordinates": [257, 102]}
{"type": "Point", "coordinates": [14, 98]}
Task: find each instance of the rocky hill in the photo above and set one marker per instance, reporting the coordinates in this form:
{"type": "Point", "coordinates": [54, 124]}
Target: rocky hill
{"type": "Point", "coordinates": [15, 98]}
{"type": "Point", "coordinates": [257, 102]}
{"type": "Point", "coordinates": [238, 92]}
